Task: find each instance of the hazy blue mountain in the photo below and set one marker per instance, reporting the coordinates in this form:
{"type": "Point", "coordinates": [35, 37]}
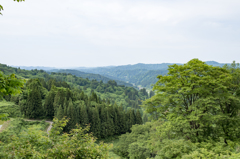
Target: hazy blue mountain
{"type": "Point", "coordinates": [137, 74]}
{"type": "Point", "coordinates": [214, 63]}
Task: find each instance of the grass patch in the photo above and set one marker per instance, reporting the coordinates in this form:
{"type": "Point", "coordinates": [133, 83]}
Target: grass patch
{"type": "Point", "coordinates": [1, 122]}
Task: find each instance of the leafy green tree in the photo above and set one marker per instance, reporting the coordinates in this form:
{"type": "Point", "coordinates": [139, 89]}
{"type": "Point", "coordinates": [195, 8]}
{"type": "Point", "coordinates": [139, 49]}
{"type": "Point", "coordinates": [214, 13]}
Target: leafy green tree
{"type": "Point", "coordinates": [9, 85]}
{"type": "Point", "coordinates": [198, 100]}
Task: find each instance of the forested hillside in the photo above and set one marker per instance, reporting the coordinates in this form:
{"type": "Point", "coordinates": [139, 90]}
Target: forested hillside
{"type": "Point", "coordinates": [90, 76]}
{"type": "Point", "coordinates": [195, 114]}
{"type": "Point", "coordinates": [144, 75]}
{"type": "Point", "coordinates": [119, 94]}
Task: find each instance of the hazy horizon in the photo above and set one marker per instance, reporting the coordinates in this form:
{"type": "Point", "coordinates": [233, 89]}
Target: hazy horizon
{"type": "Point", "coordinates": [73, 67]}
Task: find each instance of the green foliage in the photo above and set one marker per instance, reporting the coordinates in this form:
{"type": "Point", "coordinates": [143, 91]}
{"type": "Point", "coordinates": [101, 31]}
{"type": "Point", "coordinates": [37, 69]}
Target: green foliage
{"type": "Point", "coordinates": [127, 96]}
{"type": "Point", "coordinates": [199, 101]}
{"type": "Point", "coordinates": [34, 143]}
{"type": "Point", "coordinates": [9, 85]}
{"type": "Point", "coordinates": [196, 108]}
{"type": "Point", "coordinates": [10, 108]}
{"type": "Point", "coordinates": [1, 8]}
{"type": "Point", "coordinates": [135, 144]}
{"type": "Point", "coordinates": [34, 102]}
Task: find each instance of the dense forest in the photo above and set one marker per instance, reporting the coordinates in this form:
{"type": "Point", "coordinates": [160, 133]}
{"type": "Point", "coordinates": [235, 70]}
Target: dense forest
{"type": "Point", "coordinates": [194, 113]}
{"type": "Point", "coordinates": [90, 76]}
{"type": "Point", "coordinates": [103, 109]}
{"type": "Point", "coordinates": [119, 94]}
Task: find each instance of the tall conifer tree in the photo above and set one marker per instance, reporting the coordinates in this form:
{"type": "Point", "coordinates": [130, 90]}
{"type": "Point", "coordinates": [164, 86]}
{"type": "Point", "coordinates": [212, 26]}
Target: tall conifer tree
{"type": "Point", "coordinates": [84, 116]}
{"type": "Point", "coordinates": [60, 112]}
{"type": "Point", "coordinates": [48, 106]}
{"type": "Point", "coordinates": [96, 123]}
{"type": "Point", "coordinates": [34, 104]}
{"type": "Point", "coordinates": [138, 118]}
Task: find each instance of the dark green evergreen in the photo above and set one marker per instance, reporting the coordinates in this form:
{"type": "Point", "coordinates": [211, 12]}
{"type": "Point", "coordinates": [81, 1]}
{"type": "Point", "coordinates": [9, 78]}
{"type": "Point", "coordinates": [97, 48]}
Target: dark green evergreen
{"type": "Point", "coordinates": [60, 113]}
{"type": "Point", "coordinates": [139, 118]}
{"type": "Point", "coordinates": [34, 104]}
{"type": "Point", "coordinates": [48, 105]}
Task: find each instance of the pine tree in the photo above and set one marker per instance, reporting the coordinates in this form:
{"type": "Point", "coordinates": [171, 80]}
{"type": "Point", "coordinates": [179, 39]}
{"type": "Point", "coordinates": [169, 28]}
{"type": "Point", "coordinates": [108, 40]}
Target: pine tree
{"type": "Point", "coordinates": [60, 113]}
{"type": "Point", "coordinates": [82, 96]}
{"type": "Point", "coordinates": [48, 106]}
{"type": "Point", "coordinates": [78, 113]}
{"type": "Point", "coordinates": [34, 104]}
{"type": "Point", "coordinates": [71, 113]}
{"type": "Point", "coordinates": [145, 118]}
{"type": "Point", "coordinates": [65, 106]}
{"type": "Point", "coordinates": [110, 129]}
{"type": "Point", "coordinates": [129, 119]}
{"type": "Point", "coordinates": [103, 117]}
{"type": "Point", "coordinates": [139, 118]}
{"type": "Point", "coordinates": [123, 126]}
{"type": "Point", "coordinates": [132, 117]}
{"type": "Point", "coordinates": [116, 124]}
{"type": "Point", "coordinates": [96, 123]}
{"type": "Point", "coordinates": [56, 103]}
{"type": "Point", "coordinates": [84, 116]}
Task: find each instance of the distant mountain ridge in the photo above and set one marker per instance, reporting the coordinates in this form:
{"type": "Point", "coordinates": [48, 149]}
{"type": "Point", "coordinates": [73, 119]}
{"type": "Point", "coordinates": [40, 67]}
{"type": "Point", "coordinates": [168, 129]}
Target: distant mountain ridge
{"type": "Point", "coordinates": [142, 75]}
{"type": "Point", "coordinates": [120, 67]}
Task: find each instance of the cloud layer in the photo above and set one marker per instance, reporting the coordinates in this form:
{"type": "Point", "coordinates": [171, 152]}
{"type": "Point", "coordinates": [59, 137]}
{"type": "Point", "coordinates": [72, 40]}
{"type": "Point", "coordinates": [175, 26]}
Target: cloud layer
{"type": "Point", "coordinates": [116, 32]}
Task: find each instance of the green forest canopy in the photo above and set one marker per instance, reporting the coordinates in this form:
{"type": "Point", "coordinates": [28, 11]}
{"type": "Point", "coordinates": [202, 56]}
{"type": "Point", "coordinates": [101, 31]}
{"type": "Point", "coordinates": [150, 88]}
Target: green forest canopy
{"type": "Point", "coordinates": [196, 115]}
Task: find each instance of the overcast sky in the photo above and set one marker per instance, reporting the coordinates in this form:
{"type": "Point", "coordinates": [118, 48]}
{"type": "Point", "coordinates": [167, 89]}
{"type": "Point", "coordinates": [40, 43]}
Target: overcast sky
{"type": "Point", "coordinates": [71, 33]}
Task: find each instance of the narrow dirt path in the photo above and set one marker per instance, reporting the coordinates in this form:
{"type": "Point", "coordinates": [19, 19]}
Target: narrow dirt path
{"type": "Point", "coordinates": [49, 127]}
{"type": "Point", "coordinates": [5, 125]}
